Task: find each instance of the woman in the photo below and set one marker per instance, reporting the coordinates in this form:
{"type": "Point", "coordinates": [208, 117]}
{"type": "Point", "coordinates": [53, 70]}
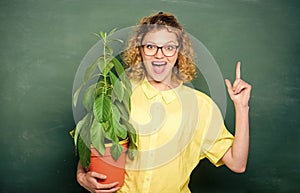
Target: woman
{"type": "Point", "coordinates": [177, 125]}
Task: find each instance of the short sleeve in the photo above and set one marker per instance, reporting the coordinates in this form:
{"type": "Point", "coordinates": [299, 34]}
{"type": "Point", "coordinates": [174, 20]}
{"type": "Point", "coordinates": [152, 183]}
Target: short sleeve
{"type": "Point", "coordinates": [217, 139]}
{"type": "Point", "coordinates": [220, 147]}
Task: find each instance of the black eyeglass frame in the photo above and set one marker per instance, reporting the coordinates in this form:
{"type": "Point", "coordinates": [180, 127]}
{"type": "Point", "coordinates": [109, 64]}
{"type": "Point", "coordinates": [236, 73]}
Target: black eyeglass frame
{"type": "Point", "coordinates": [160, 47]}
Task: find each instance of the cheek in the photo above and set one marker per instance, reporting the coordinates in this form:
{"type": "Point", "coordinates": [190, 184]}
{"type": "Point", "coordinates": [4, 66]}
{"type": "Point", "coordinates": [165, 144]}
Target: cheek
{"type": "Point", "coordinates": [173, 60]}
{"type": "Point", "coordinates": [146, 60]}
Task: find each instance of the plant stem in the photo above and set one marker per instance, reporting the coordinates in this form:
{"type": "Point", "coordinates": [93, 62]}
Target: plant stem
{"type": "Point", "coordinates": [104, 56]}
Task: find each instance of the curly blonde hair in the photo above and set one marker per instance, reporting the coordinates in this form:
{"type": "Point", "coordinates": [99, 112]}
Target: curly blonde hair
{"type": "Point", "coordinates": [184, 69]}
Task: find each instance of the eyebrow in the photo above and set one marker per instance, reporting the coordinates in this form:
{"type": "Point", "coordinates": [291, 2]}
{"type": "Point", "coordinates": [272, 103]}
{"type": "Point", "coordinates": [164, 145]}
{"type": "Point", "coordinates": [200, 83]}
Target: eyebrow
{"type": "Point", "coordinates": [167, 43]}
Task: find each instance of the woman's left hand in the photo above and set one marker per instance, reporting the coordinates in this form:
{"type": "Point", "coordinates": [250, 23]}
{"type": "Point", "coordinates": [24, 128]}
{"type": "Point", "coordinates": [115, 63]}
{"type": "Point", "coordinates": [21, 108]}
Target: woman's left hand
{"type": "Point", "coordinates": [239, 92]}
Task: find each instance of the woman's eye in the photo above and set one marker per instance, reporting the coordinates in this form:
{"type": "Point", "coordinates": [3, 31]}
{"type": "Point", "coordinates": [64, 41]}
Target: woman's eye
{"type": "Point", "coordinates": [150, 47]}
{"type": "Point", "coordinates": [170, 47]}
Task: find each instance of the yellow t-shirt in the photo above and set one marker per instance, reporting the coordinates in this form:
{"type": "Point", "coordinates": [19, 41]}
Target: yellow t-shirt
{"type": "Point", "coordinates": [176, 129]}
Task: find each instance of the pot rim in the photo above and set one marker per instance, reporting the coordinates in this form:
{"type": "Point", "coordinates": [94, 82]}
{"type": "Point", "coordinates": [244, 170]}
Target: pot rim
{"type": "Point", "coordinates": [110, 144]}
{"type": "Point", "coordinates": [120, 142]}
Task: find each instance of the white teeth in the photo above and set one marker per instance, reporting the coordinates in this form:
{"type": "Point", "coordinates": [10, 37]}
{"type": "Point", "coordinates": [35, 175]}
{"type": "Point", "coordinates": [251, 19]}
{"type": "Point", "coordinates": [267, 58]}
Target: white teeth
{"type": "Point", "coordinates": [159, 63]}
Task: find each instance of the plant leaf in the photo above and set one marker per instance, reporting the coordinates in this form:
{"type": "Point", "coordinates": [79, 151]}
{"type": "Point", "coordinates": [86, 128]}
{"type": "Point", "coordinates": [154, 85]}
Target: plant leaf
{"type": "Point", "coordinates": [116, 40]}
{"type": "Point", "coordinates": [84, 153]}
{"type": "Point", "coordinates": [72, 133]}
{"type": "Point", "coordinates": [116, 150]}
{"type": "Point", "coordinates": [122, 109]}
{"type": "Point", "coordinates": [89, 72]}
{"type": "Point", "coordinates": [128, 86]}
{"type": "Point", "coordinates": [119, 69]}
{"type": "Point", "coordinates": [89, 97]}
{"type": "Point", "coordinates": [76, 95]}
{"type": "Point", "coordinates": [131, 132]}
{"type": "Point", "coordinates": [126, 100]}
{"type": "Point", "coordinates": [110, 51]}
{"type": "Point", "coordinates": [112, 32]}
{"type": "Point", "coordinates": [117, 86]}
{"type": "Point", "coordinates": [97, 35]}
{"type": "Point", "coordinates": [103, 35]}
{"type": "Point", "coordinates": [120, 130]}
{"type": "Point", "coordinates": [101, 64]}
{"type": "Point", "coordinates": [84, 122]}
{"type": "Point", "coordinates": [132, 151]}
{"type": "Point", "coordinates": [97, 137]}
{"type": "Point", "coordinates": [82, 139]}
{"type": "Point", "coordinates": [115, 113]}
{"type": "Point", "coordinates": [110, 132]}
{"type": "Point", "coordinates": [107, 68]}
{"type": "Point", "coordinates": [102, 108]}
{"type": "Point", "coordinates": [121, 74]}
{"type": "Point", "coordinates": [101, 88]}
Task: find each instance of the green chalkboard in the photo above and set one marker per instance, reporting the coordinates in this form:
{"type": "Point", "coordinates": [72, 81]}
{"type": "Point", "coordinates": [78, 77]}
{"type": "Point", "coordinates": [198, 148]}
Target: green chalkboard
{"type": "Point", "coordinates": [43, 42]}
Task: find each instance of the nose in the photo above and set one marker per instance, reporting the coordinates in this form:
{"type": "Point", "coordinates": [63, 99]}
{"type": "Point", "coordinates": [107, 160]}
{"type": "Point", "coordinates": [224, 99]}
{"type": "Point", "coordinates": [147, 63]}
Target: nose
{"type": "Point", "coordinates": [159, 53]}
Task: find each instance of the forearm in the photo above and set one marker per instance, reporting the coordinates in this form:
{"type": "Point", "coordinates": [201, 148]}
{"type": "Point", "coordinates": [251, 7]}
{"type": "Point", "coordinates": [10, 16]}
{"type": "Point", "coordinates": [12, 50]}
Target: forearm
{"type": "Point", "coordinates": [240, 145]}
{"type": "Point", "coordinates": [237, 156]}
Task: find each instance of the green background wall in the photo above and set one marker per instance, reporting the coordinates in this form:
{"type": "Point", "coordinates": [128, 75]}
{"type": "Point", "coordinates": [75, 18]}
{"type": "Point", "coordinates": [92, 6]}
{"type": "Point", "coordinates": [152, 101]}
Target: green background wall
{"type": "Point", "coordinates": [42, 43]}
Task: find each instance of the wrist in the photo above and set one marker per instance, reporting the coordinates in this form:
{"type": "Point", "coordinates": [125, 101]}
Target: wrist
{"type": "Point", "coordinates": [241, 109]}
{"type": "Point", "coordinates": [80, 175]}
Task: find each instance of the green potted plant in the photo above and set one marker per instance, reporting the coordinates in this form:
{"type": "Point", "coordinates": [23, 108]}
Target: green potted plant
{"type": "Point", "coordinates": [104, 133]}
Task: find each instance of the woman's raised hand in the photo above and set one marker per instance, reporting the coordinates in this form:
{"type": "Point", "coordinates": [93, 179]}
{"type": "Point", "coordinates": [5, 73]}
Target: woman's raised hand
{"type": "Point", "coordinates": [240, 90]}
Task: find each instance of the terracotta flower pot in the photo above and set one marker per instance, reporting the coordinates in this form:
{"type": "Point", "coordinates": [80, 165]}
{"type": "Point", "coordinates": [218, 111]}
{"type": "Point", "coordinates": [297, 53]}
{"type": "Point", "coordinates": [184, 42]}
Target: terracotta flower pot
{"type": "Point", "coordinates": [114, 170]}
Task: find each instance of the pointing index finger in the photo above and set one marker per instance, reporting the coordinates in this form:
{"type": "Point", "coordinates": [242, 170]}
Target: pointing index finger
{"type": "Point", "coordinates": [238, 70]}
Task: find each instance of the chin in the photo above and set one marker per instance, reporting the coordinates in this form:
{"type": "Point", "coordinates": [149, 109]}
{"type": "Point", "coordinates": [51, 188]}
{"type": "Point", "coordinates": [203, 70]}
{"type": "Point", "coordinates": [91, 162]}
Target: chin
{"type": "Point", "coordinates": [157, 78]}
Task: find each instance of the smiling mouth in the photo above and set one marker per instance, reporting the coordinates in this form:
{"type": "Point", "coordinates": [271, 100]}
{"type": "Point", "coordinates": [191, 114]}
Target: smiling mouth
{"type": "Point", "coordinates": [159, 63]}
{"type": "Point", "coordinates": [159, 67]}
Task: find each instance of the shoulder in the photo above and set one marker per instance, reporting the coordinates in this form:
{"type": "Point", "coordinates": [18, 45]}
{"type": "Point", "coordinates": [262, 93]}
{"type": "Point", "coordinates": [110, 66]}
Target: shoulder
{"type": "Point", "coordinates": [200, 100]}
{"type": "Point", "coordinates": [135, 83]}
{"type": "Point", "coordinates": [199, 95]}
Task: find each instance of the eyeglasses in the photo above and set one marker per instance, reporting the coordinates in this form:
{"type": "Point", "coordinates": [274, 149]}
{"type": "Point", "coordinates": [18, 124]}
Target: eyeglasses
{"type": "Point", "coordinates": [167, 50]}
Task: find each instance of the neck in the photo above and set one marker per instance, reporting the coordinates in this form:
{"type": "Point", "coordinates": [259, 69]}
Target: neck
{"type": "Point", "coordinates": [163, 85]}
